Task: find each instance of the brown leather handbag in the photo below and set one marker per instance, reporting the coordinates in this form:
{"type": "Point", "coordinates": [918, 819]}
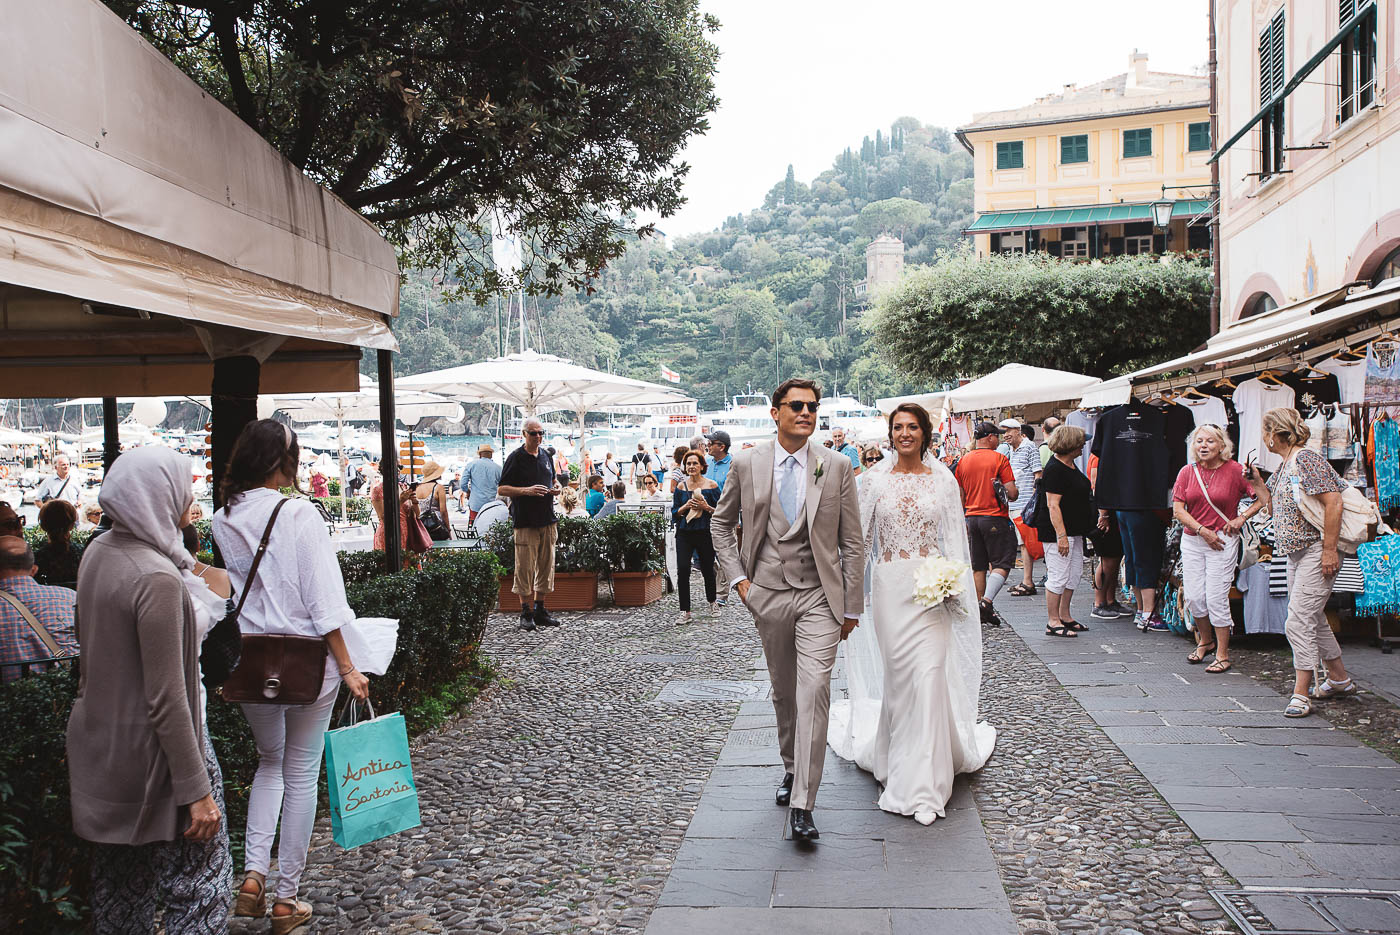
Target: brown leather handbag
{"type": "Point", "coordinates": [275, 668]}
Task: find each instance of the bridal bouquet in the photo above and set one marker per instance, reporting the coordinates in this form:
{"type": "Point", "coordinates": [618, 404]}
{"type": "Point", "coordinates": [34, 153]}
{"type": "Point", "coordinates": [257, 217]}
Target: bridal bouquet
{"type": "Point", "coordinates": [939, 579]}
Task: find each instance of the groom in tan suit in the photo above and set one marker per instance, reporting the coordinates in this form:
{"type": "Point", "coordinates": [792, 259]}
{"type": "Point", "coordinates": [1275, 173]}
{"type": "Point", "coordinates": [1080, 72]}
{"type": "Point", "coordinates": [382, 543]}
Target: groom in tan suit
{"type": "Point", "coordinates": [799, 571]}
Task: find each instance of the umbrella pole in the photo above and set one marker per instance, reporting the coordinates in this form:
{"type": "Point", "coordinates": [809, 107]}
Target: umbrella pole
{"type": "Point", "coordinates": [582, 442]}
{"type": "Point", "coordinates": [340, 463]}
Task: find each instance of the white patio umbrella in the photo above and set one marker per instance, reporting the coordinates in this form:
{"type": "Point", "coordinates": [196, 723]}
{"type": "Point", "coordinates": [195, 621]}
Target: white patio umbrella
{"type": "Point", "coordinates": [362, 406]}
{"type": "Point", "coordinates": [1011, 385]}
{"type": "Point", "coordinates": [13, 437]}
{"type": "Point", "coordinates": [537, 383]}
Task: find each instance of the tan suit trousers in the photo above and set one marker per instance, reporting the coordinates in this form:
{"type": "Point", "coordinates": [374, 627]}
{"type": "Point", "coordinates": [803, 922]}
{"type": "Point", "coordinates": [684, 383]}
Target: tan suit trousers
{"type": "Point", "coordinates": [800, 635]}
{"type": "Point", "coordinates": [534, 559]}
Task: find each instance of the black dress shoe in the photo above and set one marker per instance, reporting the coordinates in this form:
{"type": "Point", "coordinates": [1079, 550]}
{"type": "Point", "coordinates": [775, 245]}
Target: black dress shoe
{"type": "Point", "coordinates": [543, 618]}
{"type": "Point", "coordinates": [784, 794]}
{"type": "Point", "coordinates": [527, 620]}
{"type": "Point", "coordinates": [803, 828]}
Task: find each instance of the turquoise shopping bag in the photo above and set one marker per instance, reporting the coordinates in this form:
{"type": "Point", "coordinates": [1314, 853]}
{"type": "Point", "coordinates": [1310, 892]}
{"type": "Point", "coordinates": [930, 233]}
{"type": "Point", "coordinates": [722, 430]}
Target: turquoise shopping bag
{"type": "Point", "coordinates": [370, 778]}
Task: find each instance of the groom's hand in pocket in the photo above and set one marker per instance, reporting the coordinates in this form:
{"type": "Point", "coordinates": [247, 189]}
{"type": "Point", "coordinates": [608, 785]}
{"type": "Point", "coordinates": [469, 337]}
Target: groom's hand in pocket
{"type": "Point", "coordinates": [742, 589]}
{"type": "Point", "coordinates": [847, 625]}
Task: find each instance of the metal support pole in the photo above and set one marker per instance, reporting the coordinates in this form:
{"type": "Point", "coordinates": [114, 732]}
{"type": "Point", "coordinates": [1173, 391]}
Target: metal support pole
{"type": "Point", "coordinates": [111, 438]}
{"type": "Point", "coordinates": [388, 463]}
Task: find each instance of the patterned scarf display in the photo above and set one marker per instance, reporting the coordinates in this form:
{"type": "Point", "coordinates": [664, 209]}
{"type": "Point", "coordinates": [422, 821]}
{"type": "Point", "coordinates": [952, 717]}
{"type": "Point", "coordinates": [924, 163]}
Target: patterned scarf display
{"type": "Point", "coordinates": [1380, 566]}
{"type": "Point", "coordinates": [1388, 463]}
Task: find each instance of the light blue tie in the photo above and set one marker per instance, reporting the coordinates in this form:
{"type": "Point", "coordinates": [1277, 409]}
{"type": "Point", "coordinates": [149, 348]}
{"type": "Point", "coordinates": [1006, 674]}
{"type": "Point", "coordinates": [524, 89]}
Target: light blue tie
{"type": "Point", "coordinates": [787, 490]}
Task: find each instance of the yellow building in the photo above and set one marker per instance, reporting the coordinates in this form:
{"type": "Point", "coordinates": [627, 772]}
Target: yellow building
{"type": "Point", "coordinates": [1075, 174]}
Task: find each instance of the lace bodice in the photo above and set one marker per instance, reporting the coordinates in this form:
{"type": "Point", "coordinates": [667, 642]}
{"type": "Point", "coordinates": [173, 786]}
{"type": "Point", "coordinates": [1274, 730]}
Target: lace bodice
{"type": "Point", "coordinates": [906, 518]}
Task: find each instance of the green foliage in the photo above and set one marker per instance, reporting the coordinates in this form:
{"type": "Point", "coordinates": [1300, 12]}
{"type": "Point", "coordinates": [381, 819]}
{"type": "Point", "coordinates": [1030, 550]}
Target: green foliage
{"type": "Point", "coordinates": [1096, 318]}
{"type": "Point", "coordinates": [432, 118]}
{"type": "Point", "coordinates": [580, 545]}
{"type": "Point", "coordinates": [634, 541]}
{"type": "Point", "coordinates": [712, 304]}
{"type": "Point", "coordinates": [43, 867]}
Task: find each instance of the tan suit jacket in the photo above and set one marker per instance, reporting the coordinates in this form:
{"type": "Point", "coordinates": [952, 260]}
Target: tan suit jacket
{"type": "Point", "coordinates": [833, 522]}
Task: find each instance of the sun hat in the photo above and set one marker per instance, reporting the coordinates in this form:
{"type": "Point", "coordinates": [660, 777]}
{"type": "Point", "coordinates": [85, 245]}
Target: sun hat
{"type": "Point", "coordinates": [431, 472]}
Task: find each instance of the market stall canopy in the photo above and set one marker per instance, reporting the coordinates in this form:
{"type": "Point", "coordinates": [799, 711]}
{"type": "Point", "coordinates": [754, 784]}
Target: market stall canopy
{"type": "Point", "coordinates": [537, 383]}
{"type": "Point", "coordinates": [133, 205]}
{"type": "Point", "coordinates": [363, 405]}
{"type": "Point", "coordinates": [1011, 385]}
{"type": "Point", "coordinates": [1281, 332]}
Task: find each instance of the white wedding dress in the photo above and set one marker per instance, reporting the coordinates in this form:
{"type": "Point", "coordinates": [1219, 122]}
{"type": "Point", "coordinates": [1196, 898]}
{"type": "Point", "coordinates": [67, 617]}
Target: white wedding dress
{"type": "Point", "coordinates": [913, 673]}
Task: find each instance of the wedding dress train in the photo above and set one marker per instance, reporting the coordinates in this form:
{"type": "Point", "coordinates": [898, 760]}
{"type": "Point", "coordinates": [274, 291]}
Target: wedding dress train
{"type": "Point", "coordinates": [913, 673]}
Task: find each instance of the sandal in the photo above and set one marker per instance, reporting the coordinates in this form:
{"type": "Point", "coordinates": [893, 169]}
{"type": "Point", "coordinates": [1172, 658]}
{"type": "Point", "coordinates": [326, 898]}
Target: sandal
{"type": "Point", "coordinates": [1076, 626]}
{"type": "Point", "coordinates": [1021, 590]}
{"type": "Point", "coordinates": [1298, 706]}
{"type": "Point", "coordinates": [251, 905]}
{"type": "Point", "coordinates": [299, 916]}
{"type": "Point", "coordinates": [1218, 666]}
{"type": "Point", "coordinates": [1059, 631]}
{"type": "Point", "coordinates": [1200, 653]}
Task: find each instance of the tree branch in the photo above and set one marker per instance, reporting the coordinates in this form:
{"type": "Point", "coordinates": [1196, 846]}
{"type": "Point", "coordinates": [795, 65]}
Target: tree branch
{"type": "Point", "coordinates": [225, 26]}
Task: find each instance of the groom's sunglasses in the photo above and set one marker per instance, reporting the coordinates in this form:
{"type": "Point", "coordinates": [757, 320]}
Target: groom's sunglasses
{"type": "Point", "coordinates": [796, 405]}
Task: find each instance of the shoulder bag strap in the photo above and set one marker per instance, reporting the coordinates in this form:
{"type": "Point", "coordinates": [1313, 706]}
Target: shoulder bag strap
{"type": "Point", "coordinates": [258, 555]}
{"type": "Point", "coordinates": [1195, 469]}
{"type": "Point", "coordinates": [44, 635]}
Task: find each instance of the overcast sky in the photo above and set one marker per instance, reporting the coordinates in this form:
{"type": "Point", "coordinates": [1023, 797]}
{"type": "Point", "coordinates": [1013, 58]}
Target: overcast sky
{"type": "Point", "coordinates": [800, 80]}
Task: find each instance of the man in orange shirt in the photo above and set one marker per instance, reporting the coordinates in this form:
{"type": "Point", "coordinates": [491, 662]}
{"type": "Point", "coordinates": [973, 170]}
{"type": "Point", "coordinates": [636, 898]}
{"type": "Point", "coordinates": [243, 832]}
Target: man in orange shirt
{"type": "Point", "coordinates": [988, 485]}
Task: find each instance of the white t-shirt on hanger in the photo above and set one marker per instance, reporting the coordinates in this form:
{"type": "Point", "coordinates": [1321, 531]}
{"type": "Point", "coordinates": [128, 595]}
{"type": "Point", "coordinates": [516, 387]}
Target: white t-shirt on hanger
{"type": "Point", "coordinates": [1252, 399]}
{"type": "Point", "coordinates": [1351, 378]}
{"type": "Point", "coordinates": [1208, 411]}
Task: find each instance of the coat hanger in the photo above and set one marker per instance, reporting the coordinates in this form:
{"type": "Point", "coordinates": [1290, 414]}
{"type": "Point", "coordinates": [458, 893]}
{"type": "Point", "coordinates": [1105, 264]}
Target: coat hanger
{"type": "Point", "coordinates": [1270, 377]}
{"type": "Point", "coordinates": [1192, 393]}
{"type": "Point", "coordinates": [1225, 382]}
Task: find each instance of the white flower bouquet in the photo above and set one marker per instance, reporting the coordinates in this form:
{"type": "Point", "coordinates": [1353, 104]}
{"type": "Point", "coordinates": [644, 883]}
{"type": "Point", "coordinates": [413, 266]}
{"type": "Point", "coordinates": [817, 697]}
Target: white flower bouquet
{"type": "Point", "coordinates": [939, 579]}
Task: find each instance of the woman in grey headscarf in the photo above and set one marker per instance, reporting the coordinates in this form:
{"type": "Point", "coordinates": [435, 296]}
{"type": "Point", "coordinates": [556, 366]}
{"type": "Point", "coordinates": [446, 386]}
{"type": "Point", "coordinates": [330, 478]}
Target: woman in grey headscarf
{"type": "Point", "coordinates": [146, 788]}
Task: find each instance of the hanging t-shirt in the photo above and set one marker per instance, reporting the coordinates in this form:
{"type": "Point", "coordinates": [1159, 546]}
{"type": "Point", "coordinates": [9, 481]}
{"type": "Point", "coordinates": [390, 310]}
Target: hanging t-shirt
{"type": "Point", "coordinates": [1252, 399]}
{"type": "Point", "coordinates": [1088, 421]}
{"type": "Point", "coordinates": [1232, 416]}
{"type": "Point", "coordinates": [960, 427]}
{"type": "Point", "coordinates": [1132, 450]}
{"type": "Point", "coordinates": [1382, 372]}
{"type": "Point", "coordinates": [1207, 411]}
{"type": "Point", "coordinates": [1311, 390]}
{"type": "Point", "coordinates": [1351, 377]}
{"type": "Point", "coordinates": [1180, 424]}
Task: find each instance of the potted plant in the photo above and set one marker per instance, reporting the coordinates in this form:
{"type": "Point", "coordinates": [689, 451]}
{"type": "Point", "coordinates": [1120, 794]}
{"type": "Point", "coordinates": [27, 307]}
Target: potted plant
{"type": "Point", "coordinates": [636, 552]}
{"type": "Point", "coordinates": [579, 556]}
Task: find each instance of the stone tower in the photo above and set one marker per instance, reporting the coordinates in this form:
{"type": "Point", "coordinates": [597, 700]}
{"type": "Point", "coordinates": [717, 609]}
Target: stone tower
{"type": "Point", "coordinates": [884, 263]}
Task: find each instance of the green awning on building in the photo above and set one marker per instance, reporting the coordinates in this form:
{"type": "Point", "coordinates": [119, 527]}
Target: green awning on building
{"type": "Point", "coordinates": [1032, 218]}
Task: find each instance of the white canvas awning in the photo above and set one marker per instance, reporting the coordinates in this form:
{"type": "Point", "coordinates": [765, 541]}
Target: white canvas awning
{"type": "Point", "coordinates": [123, 183]}
{"type": "Point", "coordinates": [1010, 385]}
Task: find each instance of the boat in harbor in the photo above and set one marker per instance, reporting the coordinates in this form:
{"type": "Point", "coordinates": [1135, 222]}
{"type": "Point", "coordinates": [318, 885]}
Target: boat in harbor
{"type": "Point", "coordinates": [747, 419]}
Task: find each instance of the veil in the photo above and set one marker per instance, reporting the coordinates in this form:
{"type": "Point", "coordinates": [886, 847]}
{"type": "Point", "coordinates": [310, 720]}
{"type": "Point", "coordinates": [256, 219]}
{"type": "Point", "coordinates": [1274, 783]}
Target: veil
{"type": "Point", "coordinates": [855, 719]}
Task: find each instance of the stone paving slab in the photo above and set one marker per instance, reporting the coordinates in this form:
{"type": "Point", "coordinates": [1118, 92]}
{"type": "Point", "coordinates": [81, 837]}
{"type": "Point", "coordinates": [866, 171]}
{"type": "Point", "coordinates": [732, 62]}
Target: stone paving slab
{"type": "Point", "coordinates": [1278, 802]}
{"type": "Point", "coordinates": [729, 920]}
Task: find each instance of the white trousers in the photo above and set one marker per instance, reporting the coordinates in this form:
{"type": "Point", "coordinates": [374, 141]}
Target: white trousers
{"type": "Point", "coordinates": [290, 740]}
{"type": "Point", "coordinates": [1307, 629]}
{"type": "Point", "coordinates": [1062, 572]}
{"type": "Point", "coordinates": [1206, 577]}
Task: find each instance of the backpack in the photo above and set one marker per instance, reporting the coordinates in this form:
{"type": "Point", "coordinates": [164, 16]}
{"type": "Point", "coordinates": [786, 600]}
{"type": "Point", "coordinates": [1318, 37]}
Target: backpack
{"type": "Point", "coordinates": [1031, 511]}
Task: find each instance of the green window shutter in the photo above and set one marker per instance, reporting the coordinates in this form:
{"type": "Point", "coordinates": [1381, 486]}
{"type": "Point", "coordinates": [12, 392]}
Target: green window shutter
{"type": "Point", "coordinates": [1074, 149]}
{"type": "Point", "coordinates": [1346, 10]}
{"type": "Point", "coordinates": [1011, 155]}
{"type": "Point", "coordinates": [1198, 136]}
{"type": "Point", "coordinates": [1137, 143]}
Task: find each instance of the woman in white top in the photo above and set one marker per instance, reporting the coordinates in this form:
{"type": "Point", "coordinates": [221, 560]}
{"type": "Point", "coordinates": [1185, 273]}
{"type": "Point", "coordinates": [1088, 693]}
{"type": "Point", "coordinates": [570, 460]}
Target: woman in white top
{"type": "Point", "coordinates": [299, 591]}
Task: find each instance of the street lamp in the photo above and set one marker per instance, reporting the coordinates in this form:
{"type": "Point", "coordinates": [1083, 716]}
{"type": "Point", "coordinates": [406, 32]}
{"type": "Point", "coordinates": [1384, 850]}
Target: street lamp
{"type": "Point", "coordinates": [1162, 214]}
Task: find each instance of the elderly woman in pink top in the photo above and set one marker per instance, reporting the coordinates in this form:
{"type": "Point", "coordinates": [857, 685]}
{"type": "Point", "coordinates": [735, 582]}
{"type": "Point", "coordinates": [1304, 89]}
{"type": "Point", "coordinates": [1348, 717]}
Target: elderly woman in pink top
{"type": "Point", "coordinates": [1206, 501]}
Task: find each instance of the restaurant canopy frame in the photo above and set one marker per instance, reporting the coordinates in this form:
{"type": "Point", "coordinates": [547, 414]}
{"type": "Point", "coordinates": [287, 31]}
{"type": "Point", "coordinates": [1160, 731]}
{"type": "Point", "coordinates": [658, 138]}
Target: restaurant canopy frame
{"type": "Point", "coordinates": [1008, 386]}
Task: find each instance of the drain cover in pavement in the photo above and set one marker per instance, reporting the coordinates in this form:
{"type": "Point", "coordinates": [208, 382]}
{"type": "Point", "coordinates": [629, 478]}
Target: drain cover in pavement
{"type": "Point", "coordinates": [666, 659]}
{"type": "Point", "coordinates": [761, 737]}
{"type": "Point", "coordinates": [1312, 911]}
{"type": "Point", "coordinates": [683, 691]}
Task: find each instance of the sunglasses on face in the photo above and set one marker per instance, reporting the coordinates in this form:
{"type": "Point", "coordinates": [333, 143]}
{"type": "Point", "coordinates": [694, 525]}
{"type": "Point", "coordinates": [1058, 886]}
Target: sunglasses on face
{"type": "Point", "coordinates": [534, 433]}
{"type": "Point", "coordinates": [797, 405]}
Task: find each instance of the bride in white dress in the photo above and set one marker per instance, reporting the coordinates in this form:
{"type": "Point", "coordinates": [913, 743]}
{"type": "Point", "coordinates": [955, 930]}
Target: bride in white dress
{"type": "Point", "coordinates": [913, 672]}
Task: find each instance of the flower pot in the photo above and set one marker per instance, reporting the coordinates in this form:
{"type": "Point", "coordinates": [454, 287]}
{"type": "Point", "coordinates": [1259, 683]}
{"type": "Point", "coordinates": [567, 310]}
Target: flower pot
{"type": "Point", "coordinates": [636, 588]}
{"type": "Point", "coordinates": [573, 590]}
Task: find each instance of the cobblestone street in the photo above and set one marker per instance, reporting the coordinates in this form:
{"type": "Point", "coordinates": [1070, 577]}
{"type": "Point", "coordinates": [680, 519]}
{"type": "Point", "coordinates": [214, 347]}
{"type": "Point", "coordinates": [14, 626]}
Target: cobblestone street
{"type": "Point", "coordinates": [617, 777]}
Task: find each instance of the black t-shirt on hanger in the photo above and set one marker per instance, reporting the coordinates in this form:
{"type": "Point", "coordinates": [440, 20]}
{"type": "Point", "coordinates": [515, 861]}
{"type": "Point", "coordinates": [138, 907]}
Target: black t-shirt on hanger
{"type": "Point", "coordinates": [1130, 441]}
{"type": "Point", "coordinates": [1312, 390]}
{"type": "Point", "coordinates": [1180, 423]}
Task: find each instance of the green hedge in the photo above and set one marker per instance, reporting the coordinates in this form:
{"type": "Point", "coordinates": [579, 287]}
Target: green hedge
{"type": "Point", "coordinates": [442, 607]}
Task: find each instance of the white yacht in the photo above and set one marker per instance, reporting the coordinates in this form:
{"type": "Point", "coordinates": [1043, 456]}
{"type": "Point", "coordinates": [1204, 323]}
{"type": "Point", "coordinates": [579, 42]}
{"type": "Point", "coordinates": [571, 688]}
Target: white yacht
{"type": "Point", "coordinates": [860, 421]}
{"type": "Point", "coordinates": [747, 420]}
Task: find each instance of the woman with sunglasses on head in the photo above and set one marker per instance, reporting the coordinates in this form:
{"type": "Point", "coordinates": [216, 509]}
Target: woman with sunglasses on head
{"type": "Point", "coordinates": [1206, 502]}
